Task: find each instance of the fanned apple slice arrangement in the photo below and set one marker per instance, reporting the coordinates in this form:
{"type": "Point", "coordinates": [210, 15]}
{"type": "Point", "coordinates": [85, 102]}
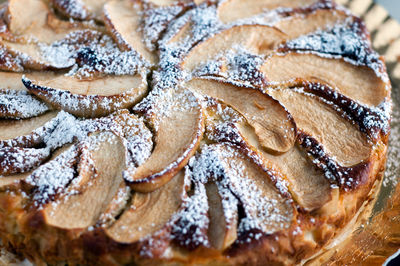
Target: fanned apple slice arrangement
{"type": "Point", "coordinates": [154, 131]}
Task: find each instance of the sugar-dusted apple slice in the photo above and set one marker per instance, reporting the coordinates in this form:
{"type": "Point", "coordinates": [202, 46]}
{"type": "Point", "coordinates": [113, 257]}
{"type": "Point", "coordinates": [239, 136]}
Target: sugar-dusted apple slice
{"type": "Point", "coordinates": [11, 82]}
{"type": "Point", "coordinates": [8, 62]}
{"type": "Point", "coordinates": [339, 136]}
{"type": "Point", "coordinates": [179, 129]}
{"type": "Point", "coordinates": [231, 10]}
{"type": "Point", "coordinates": [123, 19]}
{"type": "Point", "coordinates": [25, 132]}
{"type": "Point", "coordinates": [89, 98]}
{"type": "Point", "coordinates": [307, 184]}
{"type": "Point", "coordinates": [20, 104]}
{"type": "Point", "coordinates": [38, 22]}
{"type": "Point", "coordinates": [32, 57]}
{"type": "Point", "coordinates": [149, 213]}
{"type": "Point", "coordinates": [50, 179]}
{"type": "Point", "coordinates": [273, 124]}
{"type": "Point", "coordinates": [250, 37]}
{"type": "Point", "coordinates": [80, 9]}
{"type": "Point", "coordinates": [15, 101]}
{"type": "Point", "coordinates": [15, 160]}
{"type": "Point", "coordinates": [116, 206]}
{"type": "Point", "coordinates": [191, 223]}
{"type": "Point", "coordinates": [313, 19]}
{"type": "Point", "coordinates": [357, 82]}
{"type": "Point", "coordinates": [223, 215]}
{"type": "Point", "coordinates": [73, 210]}
{"type": "Point", "coordinates": [5, 181]}
{"type": "Point", "coordinates": [266, 203]}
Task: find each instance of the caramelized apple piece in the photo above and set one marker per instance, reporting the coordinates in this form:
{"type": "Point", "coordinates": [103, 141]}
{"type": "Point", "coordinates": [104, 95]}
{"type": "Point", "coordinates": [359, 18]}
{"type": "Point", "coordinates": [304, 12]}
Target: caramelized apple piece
{"type": "Point", "coordinates": [359, 83]}
{"type": "Point", "coordinates": [273, 125]}
{"type": "Point", "coordinates": [15, 160]}
{"type": "Point", "coordinates": [116, 206]}
{"type": "Point", "coordinates": [24, 132]}
{"type": "Point", "coordinates": [8, 62]}
{"type": "Point", "coordinates": [231, 10]}
{"type": "Point", "coordinates": [316, 19]}
{"type": "Point", "coordinates": [20, 104]}
{"type": "Point", "coordinates": [222, 230]}
{"type": "Point", "coordinates": [179, 130]}
{"type": "Point", "coordinates": [32, 57]}
{"type": "Point", "coordinates": [5, 181]}
{"type": "Point", "coordinates": [81, 9]}
{"type": "Point", "coordinates": [340, 138]}
{"type": "Point", "coordinates": [34, 24]}
{"type": "Point", "coordinates": [83, 209]}
{"type": "Point", "coordinates": [89, 98]}
{"type": "Point", "coordinates": [307, 184]}
{"type": "Point", "coordinates": [266, 207]}
{"type": "Point", "coordinates": [149, 212]}
{"type": "Point", "coordinates": [122, 20]}
{"type": "Point", "coordinates": [250, 37]}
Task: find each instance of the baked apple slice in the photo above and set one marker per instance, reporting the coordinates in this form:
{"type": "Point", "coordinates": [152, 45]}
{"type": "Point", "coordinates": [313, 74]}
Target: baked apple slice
{"type": "Point", "coordinates": [223, 215]}
{"type": "Point", "coordinates": [307, 184]}
{"type": "Point", "coordinates": [32, 57]}
{"type": "Point", "coordinates": [178, 131]}
{"type": "Point", "coordinates": [232, 10]}
{"type": "Point", "coordinates": [82, 203]}
{"type": "Point", "coordinates": [20, 104]}
{"type": "Point", "coordinates": [123, 19]}
{"type": "Point", "coordinates": [116, 206]}
{"type": "Point", "coordinates": [81, 9]}
{"type": "Point", "coordinates": [356, 82]}
{"type": "Point", "coordinates": [16, 160]}
{"type": "Point", "coordinates": [25, 133]}
{"type": "Point", "coordinates": [15, 101]}
{"type": "Point", "coordinates": [89, 98]}
{"type": "Point", "coordinates": [258, 189]}
{"type": "Point", "coordinates": [8, 62]}
{"type": "Point", "coordinates": [38, 22]}
{"type": "Point", "coordinates": [272, 123]}
{"type": "Point", "coordinates": [149, 214]}
{"type": "Point", "coordinates": [6, 181]}
{"type": "Point", "coordinates": [310, 20]}
{"type": "Point", "coordinates": [248, 37]}
{"type": "Point", "coordinates": [339, 136]}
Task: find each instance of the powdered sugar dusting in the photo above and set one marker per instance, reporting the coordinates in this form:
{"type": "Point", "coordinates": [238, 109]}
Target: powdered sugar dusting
{"type": "Point", "coordinates": [345, 41]}
{"type": "Point", "coordinates": [20, 104]}
{"type": "Point", "coordinates": [53, 176]}
{"type": "Point", "coordinates": [155, 22]}
{"type": "Point", "coordinates": [190, 230]}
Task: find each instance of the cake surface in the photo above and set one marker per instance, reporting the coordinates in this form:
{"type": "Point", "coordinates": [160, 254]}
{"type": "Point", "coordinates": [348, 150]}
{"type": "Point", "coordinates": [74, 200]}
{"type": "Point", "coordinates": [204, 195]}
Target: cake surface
{"type": "Point", "coordinates": [186, 132]}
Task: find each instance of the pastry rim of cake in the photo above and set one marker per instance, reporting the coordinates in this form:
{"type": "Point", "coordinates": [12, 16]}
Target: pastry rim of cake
{"type": "Point", "coordinates": [224, 132]}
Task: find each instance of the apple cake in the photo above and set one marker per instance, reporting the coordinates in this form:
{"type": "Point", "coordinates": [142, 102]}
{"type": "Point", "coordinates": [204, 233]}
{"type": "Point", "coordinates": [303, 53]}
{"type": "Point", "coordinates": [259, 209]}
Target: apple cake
{"type": "Point", "coordinates": [231, 132]}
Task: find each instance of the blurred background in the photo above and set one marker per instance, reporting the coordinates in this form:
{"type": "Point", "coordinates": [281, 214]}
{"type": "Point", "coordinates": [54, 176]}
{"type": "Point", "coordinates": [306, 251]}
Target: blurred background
{"type": "Point", "coordinates": [393, 6]}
